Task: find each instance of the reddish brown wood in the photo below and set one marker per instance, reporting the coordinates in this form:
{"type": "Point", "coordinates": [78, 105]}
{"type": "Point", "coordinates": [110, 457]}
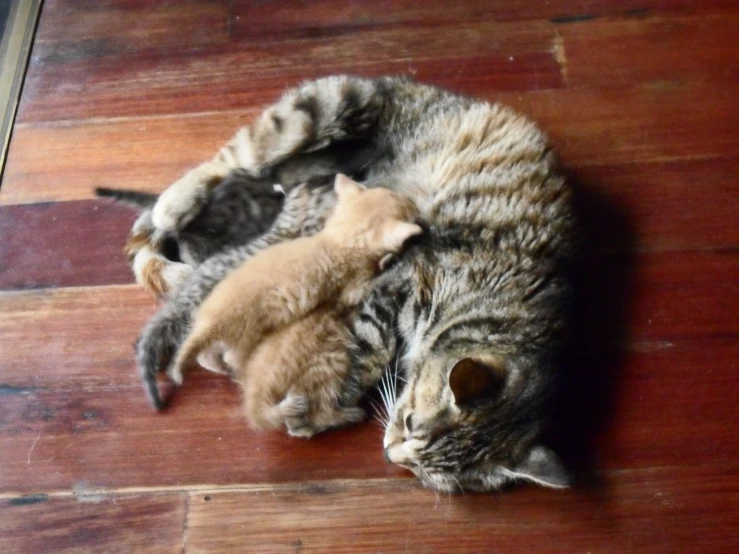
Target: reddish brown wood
{"type": "Point", "coordinates": [322, 17]}
{"type": "Point", "coordinates": [233, 76]}
{"type": "Point", "coordinates": [64, 244]}
{"type": "Point", "coordinates": [92, 523]}
{"type": "Point", "coordinates": [673, 205]}
{"type": "Point", "coordinates": [71, 427]}
{"type": "Point", "coordinates": [630, 124]}
{"type": "Point", "coordinates": [110, 437]}
{"type": "Point", "coordinates": [86, 334]}
{"type": "Point", "coordinates": [663, 50]}
{"type": "Point", "coordinates": [84, 30]}
{"type": "Point", "coordinates": [67, 162]}
{"type": "Point", "coordinates": [692, 505]}
{"type": "Point", "coordinates": [640, 100]}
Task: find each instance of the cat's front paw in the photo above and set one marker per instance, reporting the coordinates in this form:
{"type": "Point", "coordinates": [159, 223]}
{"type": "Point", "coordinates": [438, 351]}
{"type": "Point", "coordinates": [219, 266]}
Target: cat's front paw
{"type": "Point", "coordinates": [179, 204]}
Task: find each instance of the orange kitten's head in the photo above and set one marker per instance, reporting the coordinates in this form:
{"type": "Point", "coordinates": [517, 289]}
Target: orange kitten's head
{"type": "Point", "coordinates": [376, 218]}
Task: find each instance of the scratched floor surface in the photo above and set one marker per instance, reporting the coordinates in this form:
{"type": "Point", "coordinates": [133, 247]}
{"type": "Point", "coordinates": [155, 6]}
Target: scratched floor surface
{"type": "Point", "coordinates": [640, 98]}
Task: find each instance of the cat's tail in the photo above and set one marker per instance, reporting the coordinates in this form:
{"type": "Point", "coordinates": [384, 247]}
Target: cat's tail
{"type": "Point", "coordinates": [157, 345]}
{"type": "Point", "coordinates": [145, 245]}
{"type": "Point", "coordinates": [291, 412]}
{"type": "Point", "coordinates": [197, 341]}
{"type": "Point", "coordinates": [132, 198]}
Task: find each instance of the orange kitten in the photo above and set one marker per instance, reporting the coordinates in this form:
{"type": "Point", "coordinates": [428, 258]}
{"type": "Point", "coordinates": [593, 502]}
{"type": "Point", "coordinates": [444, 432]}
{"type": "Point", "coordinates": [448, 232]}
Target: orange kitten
{"type": "Point", "coordinates": [278, 320]}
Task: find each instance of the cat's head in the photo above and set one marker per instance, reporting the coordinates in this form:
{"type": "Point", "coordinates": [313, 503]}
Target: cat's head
{"type": "Point", "coordinates": [471, 424]}
{"type": "Point", "coordinates": [377, 219]}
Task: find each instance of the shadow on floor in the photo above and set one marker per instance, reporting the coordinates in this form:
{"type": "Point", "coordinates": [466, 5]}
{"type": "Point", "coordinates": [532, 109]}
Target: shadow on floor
{"type": "Point", "coordinates": [596, 350]}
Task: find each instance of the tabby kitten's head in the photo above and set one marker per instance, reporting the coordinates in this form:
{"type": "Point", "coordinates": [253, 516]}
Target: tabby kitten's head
{"type": "Point", "coordinates": [471, 425]}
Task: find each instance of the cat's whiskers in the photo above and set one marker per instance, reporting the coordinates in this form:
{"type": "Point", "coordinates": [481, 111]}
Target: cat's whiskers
{"type": "Point", "coordinates": [384, 394]}
{"type": "Point", "coordinates": [382, 418]}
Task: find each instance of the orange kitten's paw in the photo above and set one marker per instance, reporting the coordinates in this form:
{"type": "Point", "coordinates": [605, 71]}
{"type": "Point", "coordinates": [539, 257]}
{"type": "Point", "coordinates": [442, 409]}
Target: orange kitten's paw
{"type": "Point", "coordinates": [175, 375]}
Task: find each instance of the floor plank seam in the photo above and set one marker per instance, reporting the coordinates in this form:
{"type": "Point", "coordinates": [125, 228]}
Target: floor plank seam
{"type": "Point", "coordinates": [184, 523]}
{"type": "Point", "coordinates": [308, 486]}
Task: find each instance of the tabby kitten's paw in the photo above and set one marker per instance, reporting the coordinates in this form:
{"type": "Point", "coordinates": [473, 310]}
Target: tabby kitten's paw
{"type": "Point", "coordinates": [179, 204]}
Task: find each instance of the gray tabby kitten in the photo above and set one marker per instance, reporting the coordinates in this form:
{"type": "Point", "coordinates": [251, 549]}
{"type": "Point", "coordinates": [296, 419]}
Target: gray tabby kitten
{"type": "Point", "coordinates": [475, 311]}
{"type": "Point", "coordinates": [238, 210]}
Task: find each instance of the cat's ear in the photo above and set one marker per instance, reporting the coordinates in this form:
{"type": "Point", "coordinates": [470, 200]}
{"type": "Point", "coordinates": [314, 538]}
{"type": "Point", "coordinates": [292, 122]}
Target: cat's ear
{"type": "Point", "coordinates": [543, 467]}
{"type": "Point", "coordinates": [397, 232]}
{"type": "Point", "coordinates": [475, 379]}
{"type": "Point", "coordinates": [344, 186]}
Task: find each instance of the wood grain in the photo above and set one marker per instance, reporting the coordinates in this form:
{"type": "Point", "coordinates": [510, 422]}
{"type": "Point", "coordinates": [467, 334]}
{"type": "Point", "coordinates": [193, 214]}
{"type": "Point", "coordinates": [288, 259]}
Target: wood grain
{"type": "Point", "coordinates": [64, 244]}
{"type": "Point", "coordinates": [631, 124]}
{"type": "Point", "coordinates": [613, 127]}
{"type": "Point", "coordinates": [692, 505]}
{"type": "Point", "coordinates": [92, 523]}
{"type": "Point", "coordinates": [67, 162]}
{"type": "Point", "coordinates": [664, 50]}
{"type": "Point", "coordinates": [70, 425]}
{"type": "Point", "coordinates": [84, 30]}
{"type": "Point", "coordinates": [639, 97]}
{"type": "Point", "coordinates": [320, 17]}
{"type": "Point", "coordinates": [145, 83]}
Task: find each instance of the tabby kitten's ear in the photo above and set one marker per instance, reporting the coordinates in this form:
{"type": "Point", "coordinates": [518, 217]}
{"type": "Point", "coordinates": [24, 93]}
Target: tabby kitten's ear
{"type": "Point", "coordinates": [476, 379]}
{"type": "Point", "coordinates": [345, 187]}
{"type": "Point", "coordinates": [396, 233]}
{"type": "Point", "coordinates": [543, 467]}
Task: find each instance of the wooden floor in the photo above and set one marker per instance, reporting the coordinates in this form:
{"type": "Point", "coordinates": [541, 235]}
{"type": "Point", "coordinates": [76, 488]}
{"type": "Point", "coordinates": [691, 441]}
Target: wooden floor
{"type": "Point", "coordinates": [640, 98]}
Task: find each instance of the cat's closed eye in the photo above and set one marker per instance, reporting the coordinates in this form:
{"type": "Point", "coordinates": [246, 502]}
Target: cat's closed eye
{"type": "Point", "coordinates": [409, 423]}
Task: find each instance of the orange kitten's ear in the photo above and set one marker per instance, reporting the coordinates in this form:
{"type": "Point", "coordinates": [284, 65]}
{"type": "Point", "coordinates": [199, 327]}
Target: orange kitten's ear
{"type": "Point", "coordinates": [398, 232]}
{"type": "Point", "coordinates": [344, 186]}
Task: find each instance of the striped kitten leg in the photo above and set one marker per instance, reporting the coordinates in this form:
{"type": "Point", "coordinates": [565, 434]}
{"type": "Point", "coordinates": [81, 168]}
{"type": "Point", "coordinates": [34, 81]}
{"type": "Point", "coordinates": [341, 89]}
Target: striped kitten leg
{"type": "Point", "coordinates": [305, 119]}
{"type": "Point", "coordinates": [374, 343]}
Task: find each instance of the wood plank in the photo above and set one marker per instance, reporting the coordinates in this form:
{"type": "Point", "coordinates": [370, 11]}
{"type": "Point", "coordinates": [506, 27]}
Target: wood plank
{"type": "Point", "coordinates": [687, 204]}
{"type": "Point", "coordinates": [75, 30]}
{"type": "Point", "coordinates": [228, 76]}
{"type": "Point", "coordinates": [73, 410]}
{"type": "Point", "coordinates": [589, 128]}
{"type": "Point", "coordinates": [67, 162]}
{"type": "Point", "coordinates": [135, 523]}
{"type": "Point", "coordinates": [85, 249]}
{"type": "Point", "coordinates": [54, 439]}
{"type": "Point", "coordinates": [661, 404]}
{"type": "Point", "coordinates": [109, 438]}
{"type": "Point", "coordinates": [81, 337]}
{"type": "Point", "coordinates": [663, 299]}
{"type": "Point", "coordinates": [653, 298]}
{"type": "Point", "coordinates": [673, 205]}
{"type": "Point", "coordinates": [667, 49]}
{"type": "Point", "coordinates": [614, 125]}
{"type": "Point", "coordinates": [670, 510]}
{"type": "Point", "coordinates": [297, 19]}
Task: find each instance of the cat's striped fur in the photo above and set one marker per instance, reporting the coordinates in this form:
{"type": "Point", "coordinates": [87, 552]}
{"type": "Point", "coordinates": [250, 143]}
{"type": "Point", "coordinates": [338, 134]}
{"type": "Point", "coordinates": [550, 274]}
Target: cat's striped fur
{"type": "Point", "coordinates": [476, 309]}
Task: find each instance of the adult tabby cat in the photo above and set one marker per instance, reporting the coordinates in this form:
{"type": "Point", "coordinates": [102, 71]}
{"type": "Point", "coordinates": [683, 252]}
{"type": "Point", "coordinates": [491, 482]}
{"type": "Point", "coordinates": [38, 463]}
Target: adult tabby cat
{"type": "Point", "coordinates": [475, 309]}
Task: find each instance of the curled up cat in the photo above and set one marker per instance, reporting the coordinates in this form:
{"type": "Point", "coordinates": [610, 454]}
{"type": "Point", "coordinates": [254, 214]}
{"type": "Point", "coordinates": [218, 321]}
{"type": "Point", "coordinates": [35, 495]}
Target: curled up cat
{"type": "Point", "coordinates": [475, 311]}
{"type": "Point", "coordinates": [277, 323]}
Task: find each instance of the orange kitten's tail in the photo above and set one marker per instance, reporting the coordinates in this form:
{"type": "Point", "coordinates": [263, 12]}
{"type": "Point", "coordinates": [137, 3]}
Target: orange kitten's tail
{"type": "Point", "coordinates": [198, 341]}
{"type": "Point", "coordinates": [292, 412]}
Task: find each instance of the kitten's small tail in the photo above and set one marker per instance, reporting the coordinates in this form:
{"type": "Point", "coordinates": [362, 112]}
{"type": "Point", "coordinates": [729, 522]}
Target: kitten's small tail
{"type": "Point", "coordinates": [157, 345]}
{"type": "Point", "coordinates": [198, 341]}
{"type": "Point", "coordinates": [133, 198]}
{"type": "Point", "coordinates": [291, 412]}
